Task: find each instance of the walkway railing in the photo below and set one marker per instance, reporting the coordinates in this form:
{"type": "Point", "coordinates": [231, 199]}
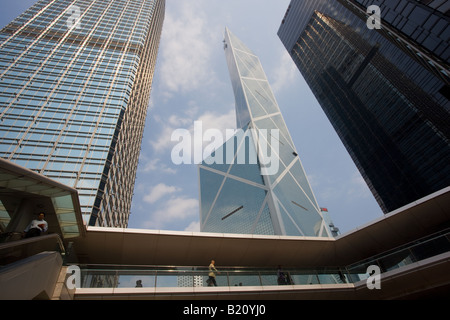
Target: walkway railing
{"type": "Point", "coordinates": [115, 276]}
{"type": "Point", "coordinates": [421, 249]}
{"type": "Point", "coordinates": [20, 249]}
{"type": "Point", "coordinates": [108, 277]}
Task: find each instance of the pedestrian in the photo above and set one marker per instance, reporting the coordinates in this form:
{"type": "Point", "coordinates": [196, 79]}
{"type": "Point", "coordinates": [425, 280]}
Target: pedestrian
{"type": "Point", "coordinates": [212, 274]}
{"type": "Point", "coordinates": [281, 276]}
{"type": "Point", "coordinates": [36, 227]}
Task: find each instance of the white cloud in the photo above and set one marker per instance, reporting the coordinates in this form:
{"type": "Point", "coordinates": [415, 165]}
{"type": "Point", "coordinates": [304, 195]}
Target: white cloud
{"type": "Point", "coordinates": [163, 143]}
{"type": "Point", "coordinates": [194, 226]}
{"type": "Point", "coordinates": [358, 187]}
{"type": "Point", "coordinates": [177, 121]}
{"type": "Point", "coordinates": [220, 122]}
{"type": "Point", "coordinates": [335, 188]}
{"type": "Point", "coordinates": [169, 125]}
{"type": "Point", "coordinates": [312, 179]}
{"type": "Point", "coordinates": [207, 132]}
{"type": "Point", "coordinates": [185, 48]}
{"type": "Point", "coordinates": [155, 165]}
{"type": "Point", "coordinates": [285, 72]}
{"type": "Point", "coordinates": [175, 209]}
{"type": "Point", "coordinates": [159, 191]}
{"type": "Point", "coordinates": [209, 120]}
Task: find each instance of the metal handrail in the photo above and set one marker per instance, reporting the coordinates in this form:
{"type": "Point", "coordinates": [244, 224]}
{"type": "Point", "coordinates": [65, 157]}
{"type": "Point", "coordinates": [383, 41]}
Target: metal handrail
{"type": "Point", "coordinates": [14, 243]}
{"type": "Point", "coordinates": [110, 278]}
{"type": "Point", "coordinates": [259, 276]}
{"type": "Point", "coordinates": [408, 246]}
{"type": "Point", "coordinates": [20, 249]}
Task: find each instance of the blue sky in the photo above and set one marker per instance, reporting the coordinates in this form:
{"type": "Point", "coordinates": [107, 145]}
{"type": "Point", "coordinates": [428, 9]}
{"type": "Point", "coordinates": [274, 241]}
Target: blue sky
{"type": "Point", "coordinates": [191, 83]}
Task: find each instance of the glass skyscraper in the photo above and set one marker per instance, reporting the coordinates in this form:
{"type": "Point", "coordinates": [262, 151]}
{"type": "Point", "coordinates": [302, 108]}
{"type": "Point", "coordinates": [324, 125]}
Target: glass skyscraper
{"type": "Point", "coordinates": [75, 82]}
{"type": "Point", "coordinates": [255, 182]}
{"type": "Point", "coordinates": [386, 91]}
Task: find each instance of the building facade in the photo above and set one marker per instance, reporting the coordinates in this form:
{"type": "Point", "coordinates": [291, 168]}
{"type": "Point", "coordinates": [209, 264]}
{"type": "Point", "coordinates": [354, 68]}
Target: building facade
{"type": "Point", "coordinates": [255, 182]}
{"type": "Point", "coordinates": [75, 81]}
{"type": "Point", "coordinates": [385, 91]}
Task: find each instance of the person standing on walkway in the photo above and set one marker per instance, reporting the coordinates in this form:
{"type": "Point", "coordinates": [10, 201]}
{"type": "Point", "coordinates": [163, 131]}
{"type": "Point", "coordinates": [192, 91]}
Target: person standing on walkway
{"type": "Point", "coordinates": [281, 276]}
{"type": "Point", "coordinates": [212, 274]}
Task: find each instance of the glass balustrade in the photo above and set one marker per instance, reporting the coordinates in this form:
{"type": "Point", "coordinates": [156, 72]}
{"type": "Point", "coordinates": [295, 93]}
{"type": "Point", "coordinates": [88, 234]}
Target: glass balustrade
{"type": "Point", "coordinates": [121, 276]}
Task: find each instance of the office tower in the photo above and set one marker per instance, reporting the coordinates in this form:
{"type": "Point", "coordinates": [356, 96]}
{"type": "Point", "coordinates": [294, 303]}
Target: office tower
{"type": "Point", "coordinates": [75, 81]}
{"type": "Point", "coordinates": [385, 91]}
{"type": "Point", "coordinates": [255, 183]}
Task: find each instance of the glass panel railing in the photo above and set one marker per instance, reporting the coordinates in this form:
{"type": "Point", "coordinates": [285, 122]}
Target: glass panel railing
{"type": "Point", "coordinates": [168, 278]}
{"type": "Point", "coordinates": [421, 249]}
{"type": "Point", "coordinates": [115, 276]}
{"type": "Point", "coordinates": [130, 277]}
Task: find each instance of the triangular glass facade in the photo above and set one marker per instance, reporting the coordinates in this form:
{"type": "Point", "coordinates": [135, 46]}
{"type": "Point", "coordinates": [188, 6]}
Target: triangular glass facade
{"type": "Point", "coordinates": [260, 187]}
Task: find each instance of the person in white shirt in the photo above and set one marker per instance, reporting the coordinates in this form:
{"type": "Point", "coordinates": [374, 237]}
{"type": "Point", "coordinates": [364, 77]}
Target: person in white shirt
{"type": "Point", "coordinates": [36, 227]}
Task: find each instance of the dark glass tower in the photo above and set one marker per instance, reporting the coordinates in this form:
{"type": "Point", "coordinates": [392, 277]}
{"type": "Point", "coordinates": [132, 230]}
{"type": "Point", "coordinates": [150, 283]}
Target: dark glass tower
{"type": "Point", "coordinates": [386, 91]}
{"type": "Point", "coordinates": [75, 81]}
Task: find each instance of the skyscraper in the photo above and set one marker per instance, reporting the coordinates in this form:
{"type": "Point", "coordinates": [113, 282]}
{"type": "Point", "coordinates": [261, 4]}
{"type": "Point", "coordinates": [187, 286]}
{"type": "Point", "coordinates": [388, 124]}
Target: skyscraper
{"type": "Point", "coordinates": [75, 82]}
{"type": "Point", "coordinates": [255, 182]}
{"type": "Point", "coordinates": [385, 90]}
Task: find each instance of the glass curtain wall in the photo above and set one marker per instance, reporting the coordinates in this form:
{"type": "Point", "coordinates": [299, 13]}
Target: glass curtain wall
{"type": "Point", "coordinates": [264, 188]}
{"type": "Point", "coordinates": [386, 91]}
{"type": "Point", "coordinates": [75, 80]}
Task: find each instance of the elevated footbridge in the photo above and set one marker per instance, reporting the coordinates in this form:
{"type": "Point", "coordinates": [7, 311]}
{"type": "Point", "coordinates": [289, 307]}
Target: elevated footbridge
{"type": "Point", "coordinates": [409, 247]}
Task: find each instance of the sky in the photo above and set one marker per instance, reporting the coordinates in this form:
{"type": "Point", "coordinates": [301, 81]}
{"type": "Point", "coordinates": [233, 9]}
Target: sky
{"type": "Point", "coordinates": [191, 83]}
